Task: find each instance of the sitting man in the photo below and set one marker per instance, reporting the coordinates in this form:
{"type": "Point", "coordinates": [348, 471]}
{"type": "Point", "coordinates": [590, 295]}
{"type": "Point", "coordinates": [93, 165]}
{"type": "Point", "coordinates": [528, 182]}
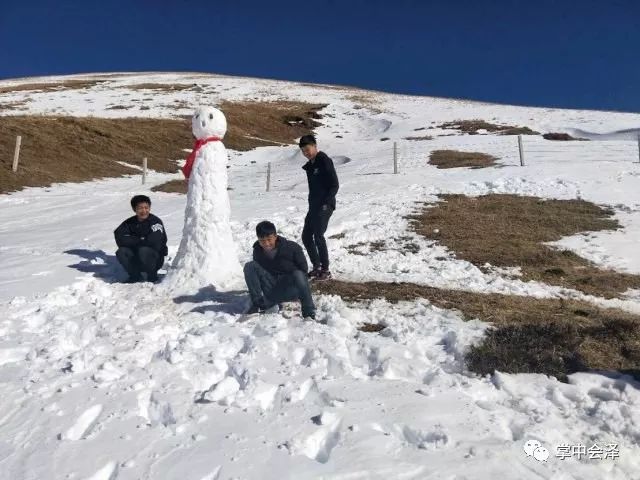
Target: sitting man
{"type": "Point", "coordinates": [142, 242]}
{"type": "Point", "coordinates": [278, 273]}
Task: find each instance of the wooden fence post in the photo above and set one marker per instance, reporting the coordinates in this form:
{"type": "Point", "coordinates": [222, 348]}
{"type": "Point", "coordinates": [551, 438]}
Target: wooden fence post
{"type": "Point", "coordinates": [16, 154]}
{"type": "Point", "coordinates": [395, 157]}
{"type": "Point", "coordinates": [268, 176]}
{"type": "Point", "coordinates": [521, 148]}
{"type": "Point", "coordinates": [144, 170]}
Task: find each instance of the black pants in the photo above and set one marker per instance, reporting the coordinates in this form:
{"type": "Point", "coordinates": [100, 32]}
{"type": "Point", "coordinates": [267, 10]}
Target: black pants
{"type": "Point", "coordinates": [266, 289]}
{"type": "Point", "coordinates": [315, 224]}
{"type": "Point", "coordinates": [138, 260]}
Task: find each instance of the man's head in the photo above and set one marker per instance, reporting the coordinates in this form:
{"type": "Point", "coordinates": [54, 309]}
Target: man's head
{"type": "Point", "coordinates": [267, 235]}
{"type": "Point", "coordinates": [308, 146]}
{"type": "Point", "coordinates": [141, 204]}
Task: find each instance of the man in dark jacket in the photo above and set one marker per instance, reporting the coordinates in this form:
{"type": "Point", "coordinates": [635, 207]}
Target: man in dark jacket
{"type": "Point", "coordinates": [323, 186]}
{"type": "Point", "coordinates": [142, 242]}
{"type": "Point", "coordinates": [278, 273]}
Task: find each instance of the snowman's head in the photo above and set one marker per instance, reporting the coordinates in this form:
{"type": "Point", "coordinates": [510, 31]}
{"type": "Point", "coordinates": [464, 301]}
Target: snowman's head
{"type": "Point", "coordinates": [208, 122]}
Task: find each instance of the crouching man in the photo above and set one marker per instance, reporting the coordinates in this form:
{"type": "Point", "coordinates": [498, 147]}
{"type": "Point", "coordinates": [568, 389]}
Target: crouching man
{"type": "Point", "coordinates": [278, 273]}
{"type": "Point", "coordinates": [142, 242]}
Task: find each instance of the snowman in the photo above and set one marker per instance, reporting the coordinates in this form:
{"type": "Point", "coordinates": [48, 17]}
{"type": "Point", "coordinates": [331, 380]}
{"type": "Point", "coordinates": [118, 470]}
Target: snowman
{"type": "Point", "coordinates": [207, 254]}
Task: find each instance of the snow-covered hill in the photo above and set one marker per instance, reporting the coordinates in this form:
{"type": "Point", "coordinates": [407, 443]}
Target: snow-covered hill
{"type": "Point", "coordinates": [105, 381]}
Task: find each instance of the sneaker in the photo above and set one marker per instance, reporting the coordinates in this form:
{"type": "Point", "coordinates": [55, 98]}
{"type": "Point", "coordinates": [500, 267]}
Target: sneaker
{"type": "Point", "coordinates": [323, 275]}
{"type": "Point", "coordinates": [309, 318]}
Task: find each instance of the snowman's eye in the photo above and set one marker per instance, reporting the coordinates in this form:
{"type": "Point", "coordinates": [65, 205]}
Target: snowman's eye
{"type": "Point", "coordinates": [211, 116]}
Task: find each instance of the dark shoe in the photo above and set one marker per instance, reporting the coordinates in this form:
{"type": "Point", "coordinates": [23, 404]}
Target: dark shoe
{"type": "Point", "coordinates": [310, 317]}
{"type": "Point", "coordinates": [152, 277]}
{"type": "Point", "coordinates": [314, 273]}
{"type": "Point", "coordinates": [253, 309]}
{"type": "Point", "coordinates": [323, 275]}
{"type": "Point", "coordinates": [135, 279]}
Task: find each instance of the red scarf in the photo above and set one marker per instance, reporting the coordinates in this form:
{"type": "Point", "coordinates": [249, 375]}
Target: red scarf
{"type": "Point", "coordinates": [192, 156]}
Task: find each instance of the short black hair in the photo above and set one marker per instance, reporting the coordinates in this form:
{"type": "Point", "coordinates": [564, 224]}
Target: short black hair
{"type": "Point", "coordinates": [264, 229]}
{"type": "Point", "coordinates": [307, 140]}
{"type": "Point", "coordinates": [138, 199]}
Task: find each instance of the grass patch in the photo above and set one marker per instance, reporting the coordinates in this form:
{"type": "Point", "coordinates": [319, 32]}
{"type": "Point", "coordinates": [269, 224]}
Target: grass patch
{"type": "Point", "coordinates": [51, 87]}
{"type": "Point", "coordinates": [564, 137]}
{"type": "Point", "coordinates": [509, 231]}
{"type": "Point", "coordinates": [256, 124]}
{"type": "Point", "coordinates": [172, 186]}
{"type": "Point", "coordinates": [551, 336]}
{"type": "Point", "coordinates": [471, 127]}
{"type": "Point", "coordinates": [260, 124]}
{"type": "Point", "coordinates": [164, 87]}
{"type": "Point", "coordinates": [16, 105]}
{"type": "Point", "coordinates": [457, 159]}
{"type": "Point", "coordinates": [75, 149]}
{"type": "Point", "coordinates": [419, 139]}
{"type": "Point", "coordinates": [69, 149]}
{"type": "Point", "coordinates": [371, 327]}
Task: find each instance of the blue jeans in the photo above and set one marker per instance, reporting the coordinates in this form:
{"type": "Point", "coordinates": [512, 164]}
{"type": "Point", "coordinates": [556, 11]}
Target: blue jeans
{"type": "Point", "coordinates": [267, 290]}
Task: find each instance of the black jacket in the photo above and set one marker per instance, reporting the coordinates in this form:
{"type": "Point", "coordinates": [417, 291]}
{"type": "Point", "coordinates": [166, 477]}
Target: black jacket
{"type": "Point", "coordinates": [323, 182]}
{"type": "Point", "coordinates": [289, 257]}
{"type": "Point", "coordinates": [149, 233]}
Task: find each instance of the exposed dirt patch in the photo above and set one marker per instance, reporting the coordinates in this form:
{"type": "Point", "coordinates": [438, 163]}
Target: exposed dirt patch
{"type": "Point", "coordinates": [551, 336]}
{"type": "Point", "coordinates": [471, 127]}
{"type": "Point", "coordinates": [509, 231]}
{"type": "Point", "coordinates": [457, 159]}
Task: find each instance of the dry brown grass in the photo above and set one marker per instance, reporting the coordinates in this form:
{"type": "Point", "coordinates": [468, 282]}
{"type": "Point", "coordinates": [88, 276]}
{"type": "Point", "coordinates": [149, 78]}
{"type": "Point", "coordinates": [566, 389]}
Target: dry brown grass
{"type": "Point", "coordinates": [561, 137]}
{"type": "Point", "coordinates": [371, 327]}
{"type": "Point", "coordinates": [471, 127]}
{"type": "Point", "coordinates": [420, 138]}
{"type": "Point", "coordinates": [69, 149]}
{"type": "Point", "coordinates": [551, 336]}
{"type": "Point", "coordinates": [276, 122]}
{"type": "Point", "coordinates": [366, 100]}
{"type": "Point", "coordinates": [18, 104]}
{"type": "Point", "coordinates": [172, 186]}
{"type": "Point", "coordinates": [52, 86]}
{"type": "Point", "coordinates": [164, 87]}
{"type": "Point", "coordinates": [509, 231]}
{"type": "Point", "coordinates": [457, 159]}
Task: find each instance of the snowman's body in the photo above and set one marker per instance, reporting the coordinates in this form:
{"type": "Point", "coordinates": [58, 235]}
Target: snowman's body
{"type": "Point", "coordinates": [207, 253]}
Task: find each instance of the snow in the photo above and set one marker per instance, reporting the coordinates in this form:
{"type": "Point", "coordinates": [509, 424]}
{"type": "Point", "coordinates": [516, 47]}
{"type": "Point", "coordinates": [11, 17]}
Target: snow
{"type": "Point", "coordinates": [102, 380]}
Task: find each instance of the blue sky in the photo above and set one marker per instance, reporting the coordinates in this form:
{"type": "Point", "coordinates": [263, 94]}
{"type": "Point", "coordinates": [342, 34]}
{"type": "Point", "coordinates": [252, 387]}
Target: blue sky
{"type": "Point", "coordinates": [582, 54]}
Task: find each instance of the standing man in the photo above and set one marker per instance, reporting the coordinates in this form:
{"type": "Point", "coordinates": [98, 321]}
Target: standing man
{"type": "Point", "coordinates": [278, 273]}
{"type": "Point", "coordinates": [142, 242]}
{"type": "Point", "coordinates": [323, 186]}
